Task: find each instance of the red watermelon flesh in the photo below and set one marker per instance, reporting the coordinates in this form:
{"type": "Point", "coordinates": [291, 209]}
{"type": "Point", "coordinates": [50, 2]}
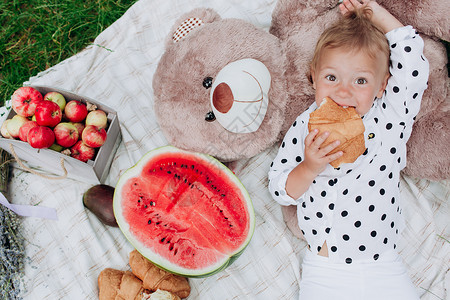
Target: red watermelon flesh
{"type": "Point", "coordinates": [185, 210]}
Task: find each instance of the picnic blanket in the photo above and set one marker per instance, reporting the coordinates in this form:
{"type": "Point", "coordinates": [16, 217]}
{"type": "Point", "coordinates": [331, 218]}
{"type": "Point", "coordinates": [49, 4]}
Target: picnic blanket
{"type": "Point", "coordinates": [64, 257]}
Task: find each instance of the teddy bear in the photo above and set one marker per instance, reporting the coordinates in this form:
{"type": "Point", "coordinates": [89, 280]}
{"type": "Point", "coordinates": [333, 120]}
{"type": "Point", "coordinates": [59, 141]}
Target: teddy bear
{"type": "Point", "coordinates": [229, 89]}
{"type": "Point", "coordinates": [220, 86]}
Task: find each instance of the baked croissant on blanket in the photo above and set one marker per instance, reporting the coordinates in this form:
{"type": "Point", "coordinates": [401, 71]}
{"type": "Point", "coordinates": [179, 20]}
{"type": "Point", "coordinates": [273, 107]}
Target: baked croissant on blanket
{"type": "Point", "coordinates": [343, 124]}
{"type": "Point", "coordinates": [124, 285]}
{"type": "Point", "coordinates": [119, 285]}
{"type": "Point", "coordinates": [145, 282]}
{"type": "Point", "coordinates": [154, 278]}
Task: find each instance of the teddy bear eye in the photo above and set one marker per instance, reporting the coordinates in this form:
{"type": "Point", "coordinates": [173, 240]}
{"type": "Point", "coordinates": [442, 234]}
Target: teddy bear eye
{"type": "Point", "coordinates": [209, 117]}
{"type": "Point", "coordinates": [207, 82]}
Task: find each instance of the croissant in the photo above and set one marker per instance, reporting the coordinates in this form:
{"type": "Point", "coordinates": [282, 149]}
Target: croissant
{"type": "Point", "coordinates": [343, 124]}
{"type": "Point", "coordinates": [119, 285]}
{"type": "Point", "coordinates": [124, 285]}
{"type": "Point", "coordinates": [154, 278]}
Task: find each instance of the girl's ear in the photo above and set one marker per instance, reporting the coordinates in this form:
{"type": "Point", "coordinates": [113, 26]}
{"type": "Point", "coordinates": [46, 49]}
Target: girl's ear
{"type": "Point", "coordinates": [383, 85]}
{"type": "Point", "coordinates": [311, 77]}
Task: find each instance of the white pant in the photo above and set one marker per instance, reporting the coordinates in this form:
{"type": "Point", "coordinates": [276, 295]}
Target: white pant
{"type": "Point", "coordinates": [386, 280]}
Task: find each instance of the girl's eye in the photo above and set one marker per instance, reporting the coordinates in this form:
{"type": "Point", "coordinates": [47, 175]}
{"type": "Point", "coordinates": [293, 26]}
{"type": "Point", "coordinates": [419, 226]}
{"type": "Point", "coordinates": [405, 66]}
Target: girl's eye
{"type": "Point", "coordinates": [330, 77]}
{"type": "Point", "coordinates": [361, 81]}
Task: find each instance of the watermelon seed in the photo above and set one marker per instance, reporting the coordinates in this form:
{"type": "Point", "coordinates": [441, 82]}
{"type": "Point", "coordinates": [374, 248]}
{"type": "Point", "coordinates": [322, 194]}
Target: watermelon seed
{"type": "Point", "coordinates": [176, 251]}
{"type": "Point", "coordinates": [171, 247]}
{"type": "Point", "coordinates": [192, 167]}
{"type": "Point", "coordinates": [152, 203]}
{"type": "Point", "coordinates": [163, 239]}
{"type": "Point", "coordinates": [157, 223]}
{"type": "Point", "coordinates": [149, 221]}
{"type": "Point", "coordinates": [223, 195]}
{"type": "Point", "coordinates": [169, 172]}
{"type": "Point", "coordinates": [145, 206]}
{"type": "Point", "coordinates": [185, 180]}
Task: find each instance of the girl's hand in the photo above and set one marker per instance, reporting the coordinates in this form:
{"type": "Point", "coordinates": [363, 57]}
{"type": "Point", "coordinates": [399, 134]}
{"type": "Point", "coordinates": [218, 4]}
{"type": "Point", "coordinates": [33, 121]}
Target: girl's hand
{"type": "Point", "coordinates": [380, 16]}
{"type": "Point", "coordinates": [350, 5]}
{"type": "Point", "coordinates": [316, 157]}
{"type": "Point", "coordinates": [316, 160]}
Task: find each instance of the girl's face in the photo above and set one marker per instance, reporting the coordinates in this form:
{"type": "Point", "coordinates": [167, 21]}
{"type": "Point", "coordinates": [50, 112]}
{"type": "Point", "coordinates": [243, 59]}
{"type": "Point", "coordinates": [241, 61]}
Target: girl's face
{"type": "Point", "coordinates": [350, 78]}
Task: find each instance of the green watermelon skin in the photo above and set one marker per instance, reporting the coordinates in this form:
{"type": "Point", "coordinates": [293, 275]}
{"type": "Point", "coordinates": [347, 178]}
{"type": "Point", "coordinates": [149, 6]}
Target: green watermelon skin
{"type": "Point", "coordinates": [184, 211]}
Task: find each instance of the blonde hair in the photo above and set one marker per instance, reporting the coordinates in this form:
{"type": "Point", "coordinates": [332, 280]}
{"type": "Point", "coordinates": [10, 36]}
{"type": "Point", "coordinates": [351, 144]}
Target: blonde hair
{"type": "Point", "coordinates": [354, 32]}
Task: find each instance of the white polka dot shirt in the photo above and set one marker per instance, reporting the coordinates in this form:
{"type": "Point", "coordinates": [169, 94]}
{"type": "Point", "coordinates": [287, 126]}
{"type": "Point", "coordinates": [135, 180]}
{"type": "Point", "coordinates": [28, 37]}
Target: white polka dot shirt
{"type": "Point", "coordinates": [356, 207]}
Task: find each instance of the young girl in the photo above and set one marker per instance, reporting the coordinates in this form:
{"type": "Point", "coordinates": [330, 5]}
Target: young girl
{"type": "Point", "coordinates": [351, 216]}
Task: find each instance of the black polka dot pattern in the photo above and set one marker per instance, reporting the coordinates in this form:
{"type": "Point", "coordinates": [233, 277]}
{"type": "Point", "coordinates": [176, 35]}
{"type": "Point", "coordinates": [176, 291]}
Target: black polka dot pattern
{"type": "Point", "coordinates": [356, 208]}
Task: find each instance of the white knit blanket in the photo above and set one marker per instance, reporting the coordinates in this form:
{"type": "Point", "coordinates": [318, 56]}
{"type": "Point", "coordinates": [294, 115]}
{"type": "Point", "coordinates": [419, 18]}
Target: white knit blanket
{"type": "Point", "coordinates": [65, 257]}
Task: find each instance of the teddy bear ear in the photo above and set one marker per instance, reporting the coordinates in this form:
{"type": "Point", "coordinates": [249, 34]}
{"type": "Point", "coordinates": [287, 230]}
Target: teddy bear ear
{"type": "Point", "coordinates": [190, 22]}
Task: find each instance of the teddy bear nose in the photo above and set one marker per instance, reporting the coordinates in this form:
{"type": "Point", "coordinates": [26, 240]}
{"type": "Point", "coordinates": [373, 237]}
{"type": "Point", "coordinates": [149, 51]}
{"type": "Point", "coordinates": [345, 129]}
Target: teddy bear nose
{"type": "Point", "coordinates": [239, 95]}
{"type": "Point", "coordinates": [222, 98]}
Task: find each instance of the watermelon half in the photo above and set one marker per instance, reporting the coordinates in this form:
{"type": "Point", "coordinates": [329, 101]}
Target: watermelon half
{"type": "Point", "coordinates": [184, 211]}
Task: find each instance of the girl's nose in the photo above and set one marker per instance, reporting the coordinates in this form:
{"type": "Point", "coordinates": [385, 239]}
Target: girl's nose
{"type": "Point", "coordinates": [343, 91]}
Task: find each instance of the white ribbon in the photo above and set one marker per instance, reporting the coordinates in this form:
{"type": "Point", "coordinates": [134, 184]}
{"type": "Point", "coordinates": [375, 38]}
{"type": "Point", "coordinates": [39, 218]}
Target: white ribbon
{"type": "Point", "coordinates": [30, 210]}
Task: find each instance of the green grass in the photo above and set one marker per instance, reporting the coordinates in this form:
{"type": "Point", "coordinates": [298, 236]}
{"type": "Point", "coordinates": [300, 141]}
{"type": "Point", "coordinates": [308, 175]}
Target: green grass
{"type": "Point", "coordinates": [37, 34]}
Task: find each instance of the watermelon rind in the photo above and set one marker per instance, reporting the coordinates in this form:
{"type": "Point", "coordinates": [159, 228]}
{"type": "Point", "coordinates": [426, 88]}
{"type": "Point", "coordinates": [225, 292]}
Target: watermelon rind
{"type": "Point", "coordinates": [158, 260]}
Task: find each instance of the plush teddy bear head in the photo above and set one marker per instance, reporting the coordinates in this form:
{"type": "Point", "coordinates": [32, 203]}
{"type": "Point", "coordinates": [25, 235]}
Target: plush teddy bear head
{"type": "Point", "coordinates": [220, 87]}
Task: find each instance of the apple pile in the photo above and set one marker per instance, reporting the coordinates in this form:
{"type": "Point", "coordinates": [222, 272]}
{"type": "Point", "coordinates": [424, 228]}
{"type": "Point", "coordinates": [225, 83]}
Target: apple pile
{"type": "Point", "coordinates": [73, 128]}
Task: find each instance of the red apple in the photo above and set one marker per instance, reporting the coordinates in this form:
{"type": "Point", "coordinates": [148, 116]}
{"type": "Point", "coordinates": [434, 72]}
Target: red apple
{"type": "Point", "coordinates": [41, 137]}
{"type": "Point", "coordinates": [66, 134]}
{"type": "Point", "coordinates": [75, 111]}
{"type": "Point", "coordinates": [24, 101]}
{"type": "Point", "coordinates": [56, 97]}
{"type": "Point", "coordinates": [97, 118]}
{"type": "Point", "coordinates": [4, 131]}
{"type": "Point", "coordinates": [80, 128]}
{"type": "Point", "coordinates": [48, 114]}
{"type": "Point", "coordinates": [25, 128]}
{"type": "Point", "coordinates": [14, 124]}
{"type": "Point", "coordinates": [93, 136]}
{"type": "Point", "coordinates": [82, 152]}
